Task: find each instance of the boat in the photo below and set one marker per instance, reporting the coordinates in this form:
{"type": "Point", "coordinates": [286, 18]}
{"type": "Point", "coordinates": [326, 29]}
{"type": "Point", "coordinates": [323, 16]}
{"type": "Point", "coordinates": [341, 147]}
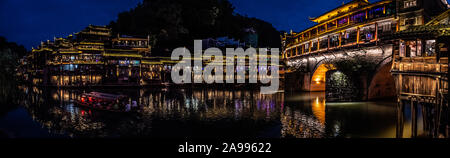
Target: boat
{"type": "Point", "coordinates": [105, 102]}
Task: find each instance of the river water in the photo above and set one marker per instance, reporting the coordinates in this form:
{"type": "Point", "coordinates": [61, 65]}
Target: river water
{"type": "Point", "coordinates": [213, 113]}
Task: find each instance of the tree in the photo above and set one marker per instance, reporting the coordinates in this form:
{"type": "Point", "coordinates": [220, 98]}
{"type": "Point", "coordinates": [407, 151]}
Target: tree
{"type": "Point", "coordinates": [175, 23]}
{"type": "Point", "coordinates": [9, 54]}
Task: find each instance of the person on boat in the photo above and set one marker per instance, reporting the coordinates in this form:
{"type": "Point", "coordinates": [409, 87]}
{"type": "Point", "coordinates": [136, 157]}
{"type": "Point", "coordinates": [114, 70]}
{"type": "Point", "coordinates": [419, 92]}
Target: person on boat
{"type": "Point", "coordinates": [116, 106]}
{"type": "Point", "coordinates": [128, 107]}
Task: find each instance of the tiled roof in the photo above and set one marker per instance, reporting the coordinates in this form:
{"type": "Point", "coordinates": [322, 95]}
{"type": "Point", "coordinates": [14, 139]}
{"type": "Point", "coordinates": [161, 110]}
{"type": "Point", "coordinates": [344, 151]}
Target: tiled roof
{"type": "Point", "coordinates": [422, 31]}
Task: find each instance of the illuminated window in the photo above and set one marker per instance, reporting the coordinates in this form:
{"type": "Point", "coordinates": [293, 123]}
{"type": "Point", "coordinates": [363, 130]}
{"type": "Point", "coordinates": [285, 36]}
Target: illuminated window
{"type": "Point", "coordinates": [349, 36]}
{"type": "Point", "coordinates": [314, 46]}
{"type": "Point", "coordinates": [323, 43]}
{"type": "Point", "coordinates": [411, 49]}
{"type": "Point", "coordinates": [410, 21]}
{"type": "Point", "coordinates": [358, 18]}
{"type": "Point", "coordinates": [307, 47]}
{"type": "Point", "coordinates": [408, 4]}
{"type": "Point", "coordinates": [402, 49]}
{"type": "Point", "coordinates": [375, 13]}
{"type": "Point", "coordinates": [331, 25]}
{"type": "Point", "coordinates": [321, 29]}
{"type": "Point", "coordinates": [334, 41]}
{"type": "Point", "coordinates": [343, 21]}
{"type": "Point", "coordinates": [367, 33]}
{"type": "Point", "coordinates": [313, 32]}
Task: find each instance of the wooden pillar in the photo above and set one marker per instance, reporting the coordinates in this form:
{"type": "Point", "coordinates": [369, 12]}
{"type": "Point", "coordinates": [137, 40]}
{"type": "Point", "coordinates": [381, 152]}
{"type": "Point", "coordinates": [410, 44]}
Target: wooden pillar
{"type": "Point", "coordinates": [413, 119]}
{"type": "Point", "coordinates": [117, 71]}
{"type": "Point", "coordinates": [129, 70]}
{"type": "Point", "coordinates": [425, 118]}
{"type": "Point", "coordinates": [440, 104]}
{"type": "Point", "coordinates": [303, 49]}
{"type": "Point", "coordinates": [310, 45]}
{"type": "Point", "coordinates": [348, 20]}
{"type": "Point", "coordinates": [90, 74]}
{"type": "Point", "coordinates": [61, 97]}
{"type": "Point", "coordinates": [397, 26]}
{"type": "Point", "coordinates": [366, 15]}
{"type": "Point", "coordinates": [357, 34]}
{"type": "Point", "coordinates": [81, 76]}
{"type": "Point", "coordinates": [60, 71]}
{"type": "Point", "coordinates": [318, 43]}
{"type": "Point", "coordinates": [376, 33]}
{"type": "Point", "coordinates": [437, 120]}
{"type": "Point", "coordinates": [140, 72]}
{"type": "Point", "coordinates": [400, 118]}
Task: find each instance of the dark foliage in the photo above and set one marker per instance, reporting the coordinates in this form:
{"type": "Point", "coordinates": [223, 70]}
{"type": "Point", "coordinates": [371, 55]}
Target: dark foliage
{"type": "Point", "coordinates": [9, 54]}
{"type": "Point", "coordinates": [175, 23]}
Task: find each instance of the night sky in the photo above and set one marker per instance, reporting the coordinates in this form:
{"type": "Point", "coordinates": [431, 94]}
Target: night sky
{"type": "Point", "coordinates": [28, 22]}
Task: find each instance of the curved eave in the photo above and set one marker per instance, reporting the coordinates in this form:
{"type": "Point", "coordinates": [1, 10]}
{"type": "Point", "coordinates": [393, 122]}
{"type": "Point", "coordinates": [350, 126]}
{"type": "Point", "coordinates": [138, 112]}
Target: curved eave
{"type": "Point", "coordinates": [343, 15]}
{"type": "Point", "coordinates": [340, 10]}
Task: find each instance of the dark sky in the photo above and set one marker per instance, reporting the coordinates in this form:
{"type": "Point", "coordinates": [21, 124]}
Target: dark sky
{"type": "Point", "coordinates": [28, 22]}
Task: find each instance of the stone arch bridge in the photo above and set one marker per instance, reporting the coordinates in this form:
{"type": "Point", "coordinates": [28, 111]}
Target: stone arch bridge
{"type": "Point", "coordinates": [312, 72]}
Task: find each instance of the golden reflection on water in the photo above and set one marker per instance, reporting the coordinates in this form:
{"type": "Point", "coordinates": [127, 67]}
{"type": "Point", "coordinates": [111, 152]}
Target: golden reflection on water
{"type": "Point", "coordinates": [318, 106]}
{"type": "Point", "coordinates": [308, 115]}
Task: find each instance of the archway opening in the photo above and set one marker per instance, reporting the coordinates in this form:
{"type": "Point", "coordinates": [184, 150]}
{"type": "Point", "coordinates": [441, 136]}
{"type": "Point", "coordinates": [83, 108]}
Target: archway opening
{"type": "Point", "coordinates": [382, 85]}
{"type": "Point", "coordinates": [318, 80]}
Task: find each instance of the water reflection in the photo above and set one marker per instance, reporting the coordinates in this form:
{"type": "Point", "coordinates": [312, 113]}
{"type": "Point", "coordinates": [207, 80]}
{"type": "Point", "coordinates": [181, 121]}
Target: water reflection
{"type": "Point", "coordinates": [219, 114]}
{"type": "Point", "coordinates": [172, 113]}
{"type": "Point", "coordinates": [307, 115]}
{"type": "Point", "coordinates": [421, 120]}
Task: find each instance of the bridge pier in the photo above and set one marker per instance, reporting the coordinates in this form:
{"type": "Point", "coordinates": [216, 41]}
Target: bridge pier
{"type": "Point", "coordinates": [298, 81]}
{"type": "Point", "coordinates": [341, 87]}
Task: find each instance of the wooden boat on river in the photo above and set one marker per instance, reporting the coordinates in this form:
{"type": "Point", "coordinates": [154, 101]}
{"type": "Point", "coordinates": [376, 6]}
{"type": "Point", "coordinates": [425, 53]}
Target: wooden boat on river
{"type": "Point", "coordinates": [106, 102]}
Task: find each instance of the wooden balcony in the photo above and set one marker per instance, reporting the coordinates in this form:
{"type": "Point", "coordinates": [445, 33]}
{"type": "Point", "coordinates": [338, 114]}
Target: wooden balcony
{"type": "Point", "coordinates": [421, 65]}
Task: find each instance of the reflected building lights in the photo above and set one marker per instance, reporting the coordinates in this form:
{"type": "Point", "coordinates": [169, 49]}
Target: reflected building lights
{"type": "Point", "coordinates": [206, 105]}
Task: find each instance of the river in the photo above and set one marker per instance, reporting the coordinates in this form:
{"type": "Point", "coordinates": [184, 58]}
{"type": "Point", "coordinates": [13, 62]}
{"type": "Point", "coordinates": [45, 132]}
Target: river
{"type": "Point", "coordinates": [213, 113]}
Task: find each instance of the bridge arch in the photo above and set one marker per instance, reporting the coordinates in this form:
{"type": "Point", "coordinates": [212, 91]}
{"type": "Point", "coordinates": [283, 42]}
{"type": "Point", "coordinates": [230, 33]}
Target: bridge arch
{"type": "Point", "coordinates": [382, 84]}
{"type": "Point", "coordinates": [320, 69]}
{"type": "Point", "coordinates": [318, 79]}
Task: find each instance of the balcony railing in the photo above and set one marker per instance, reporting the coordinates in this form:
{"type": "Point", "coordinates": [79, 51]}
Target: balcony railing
{"type": "Point", "coordinates": [420, 65]}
